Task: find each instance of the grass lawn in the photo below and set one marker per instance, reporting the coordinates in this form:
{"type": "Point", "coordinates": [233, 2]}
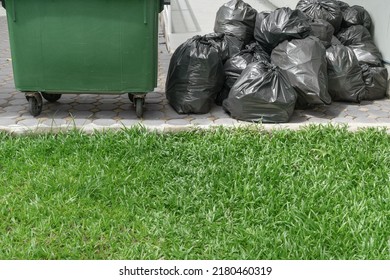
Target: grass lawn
{"type": "Point", "coordinates": [318, 193]}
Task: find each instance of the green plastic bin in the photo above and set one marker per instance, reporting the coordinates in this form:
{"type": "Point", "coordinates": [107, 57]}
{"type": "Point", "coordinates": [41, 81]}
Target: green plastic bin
{"type": "Point", "coordinates": [83, 46]}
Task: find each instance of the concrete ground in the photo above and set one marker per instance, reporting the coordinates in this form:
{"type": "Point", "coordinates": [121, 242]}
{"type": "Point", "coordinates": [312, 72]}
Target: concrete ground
{"type": "Point", "coordinates": [100, 112]}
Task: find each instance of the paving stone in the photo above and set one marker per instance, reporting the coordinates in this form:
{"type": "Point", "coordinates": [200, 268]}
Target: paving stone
{"type": "Point", "coordinates": [171, 114]}
{"type": "Point", "coordinates": [107, 106]}
{"type": "Point", "coordinates": [154, 101]}
{"type": "Point", "coordinates": [343, 120]}
{"type": "Point", "coordinates": [34, 122]}
{"type": "Point", "coordinates": [106, 114]}
{"type": "Point", "coordinates": [202, 122]}
{"type": "Point", "coordinates": [153, 115]}
{"type": "Point", "coordinates": [57, 114]}
{"type": "Point", "coordinates": [365, 120]}
{"type": "Point", "coordinates": [225, 121]}
{"type": "Point", "coordinates": [84, 107]}
{"type": "Point", "coordinates": [127, 114]}
{"type": "Point", "coordinates": [383, 120]}
{"type": "Point", "coordinates": [220, 114]}
{"type": "Point", "coordinates": [334, 111]}
{"type": "Point", "coordinates": [7, 121]}
{"type": "Point", "coordinates": [14, 108]}
{"type": "Point", "coordinates": [153, 107]}
{"type": "Point", "coordinates": [104, 122]}
{"type": "Point", "coordinates": [125, 107]}
{"type": "Point", "coordinates": [298, 119]}
{"type": "Point", "coordinates": [54, 122]}
{"type": "Point", "coordinates": [318, 120]}
{"type": "Point", "coordinates": [153, 122]}
{"type": "Point", "coordinates": [378, 114]}
{"type": "Point", "coordinates": [78, 122]}
{"type": "Point", "coordinates": [314, 113]}
{"type": "Point", "coordinates": [179, 122]}
{"type": "Point", "coordinates": [9, 115]}
{"type": "Point", "coordinates": [80, 114]}
{"type": "Point", "coordinates": [201, 116]}
{"type": "Point", "coordinates": [152, 95]}
{"type": "Point", "coordinates": [130, 122]}
{"type": "Point", "coordinates": [59, 105]}
{"type": "Point", "coordinates": [357, 114]}
{"type": "Point", "coordinates": [372, 107]}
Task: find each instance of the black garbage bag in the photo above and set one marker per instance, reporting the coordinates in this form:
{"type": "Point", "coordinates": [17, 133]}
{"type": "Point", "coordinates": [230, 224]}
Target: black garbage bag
{"type": "Point", "coordinates": [229, 45]}
{"type": "Point", "coordinates": [261, 94]}
{"type": "Point", "coordinates": [236, 18]}
{"type": "Point", "coordinates": [375, 79]}
{"type": "Point", "coordinates": [323, 30]}
{"type": "Point", "coordinates": [354, 35]}
{"type": "Point", "coordinates": [282, 24]}
{"type": "Point", "coordinates": [258, 51]}
{"type": "Point", "coordinates": [368, 53]}
{"type": "Point", "coordinates": [359, 39]}
{"type": "Point", "coordinates": [343, 6]}
{"type": "Point", "coordinates": [195, 76]}
{"type": "Point", "coordinates": [335, 41]}
{"type": "Point", "coordinates": [234, 46]}
{"type": "Point", "coordinates": [356, 15]}
{"type": "Point", "coordinates": [344, 75]}
{"type": "Point", "coordinates": [235, 65]}
{"type": "Point", "coordinates": [328, 10]}
{"type": "Point", "coordinates": [304, 62]}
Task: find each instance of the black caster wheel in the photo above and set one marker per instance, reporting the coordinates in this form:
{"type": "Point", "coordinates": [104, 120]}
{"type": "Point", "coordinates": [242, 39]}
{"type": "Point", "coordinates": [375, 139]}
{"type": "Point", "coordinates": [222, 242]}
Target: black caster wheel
{"type": "Point", "coordinates": [52, 97]}
{"type": "Point", "coordinates": [139, 107]}
{"type": "Point", "coordinates": [35, 104]}
{"type": "Point", "coordinates": [131, 97]}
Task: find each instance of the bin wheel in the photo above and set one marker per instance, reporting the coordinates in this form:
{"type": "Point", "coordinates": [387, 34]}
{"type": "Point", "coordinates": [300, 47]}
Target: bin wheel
{"type": "Point", "coordinates": [131, 97]}
{"type": "Point", "coordinates": [52, 97]}
{"type": "Point", "coordinates": [35, 103]}
{"type": "Point", "coordinates": [139, 109]}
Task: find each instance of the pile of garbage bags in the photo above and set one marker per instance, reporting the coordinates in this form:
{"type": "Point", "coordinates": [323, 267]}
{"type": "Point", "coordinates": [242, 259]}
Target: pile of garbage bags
{"type": "Point", "coordinates": [260, 66]}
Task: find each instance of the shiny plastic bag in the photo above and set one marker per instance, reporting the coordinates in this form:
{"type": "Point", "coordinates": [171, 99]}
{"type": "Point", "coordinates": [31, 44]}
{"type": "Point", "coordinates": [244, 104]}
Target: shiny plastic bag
{"type": "Point", "coordinates": [235, 65]}
{"type": "Point", "coordinates": [344, 75]}
{"type": "Point", "coordinates": [236, 18]}
{"type": "Point", "coordinates": [356, 15]}
{"type": "Point", "coordinates": [304, 62]}
{"type": "Point", "coordinates": [359, 39]}
{"type": "Point", "coordinates": [282, 24]}
{"type": "Point", "coordinates": [327, 10]}
{"type": "Point", "coordinates": [335, 41]}
{"type": "Point", "coordinates": [376, 79]}
{"type": "Point", "coordinates": [195, 75]}
{"type": "Point", "coordinates": [354, 35]}
{"type": "Point", "coordinates": [323, 30]}
{"type": "Point", "coordinates": [261, 94]}
{"type": "Point", "coordinates": [343, 6]}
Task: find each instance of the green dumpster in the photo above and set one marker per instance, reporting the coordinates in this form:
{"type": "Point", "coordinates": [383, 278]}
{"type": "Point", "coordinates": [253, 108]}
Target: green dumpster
{"type": "Point", "coordinates": [83, 46]}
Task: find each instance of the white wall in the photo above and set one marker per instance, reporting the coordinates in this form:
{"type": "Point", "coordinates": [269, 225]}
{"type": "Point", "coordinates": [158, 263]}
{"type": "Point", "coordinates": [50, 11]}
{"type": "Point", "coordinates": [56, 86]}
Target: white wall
{"type": "Point", "coordinates": [2, 11]}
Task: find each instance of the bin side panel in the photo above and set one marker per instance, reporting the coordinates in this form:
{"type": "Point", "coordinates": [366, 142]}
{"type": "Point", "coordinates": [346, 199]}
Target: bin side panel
{"type": "Point", "coordinates": [84, 46]}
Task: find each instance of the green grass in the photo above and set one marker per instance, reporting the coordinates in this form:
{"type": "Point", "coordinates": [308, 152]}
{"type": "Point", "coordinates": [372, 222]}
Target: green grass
{"type": "Point", "coordinates": [318, 193]}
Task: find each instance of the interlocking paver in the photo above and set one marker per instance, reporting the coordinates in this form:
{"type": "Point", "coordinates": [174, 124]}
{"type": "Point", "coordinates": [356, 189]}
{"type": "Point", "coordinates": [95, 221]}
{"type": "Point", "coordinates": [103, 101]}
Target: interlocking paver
{"type": "Point", "coordinates": [226, 122]}
{"type": "Point", "coordinates": [104, 122]}
{"type": "Point", "coordinates": [153, 115]}
{"type": "Point", "coordinates": [202, 122]}
{"type": "Point", "coordinates": [378, 113]}
{"type": "Point", "coordinates": [179, 122]}
{"type": "Point", "coordinates": [106, 114]}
